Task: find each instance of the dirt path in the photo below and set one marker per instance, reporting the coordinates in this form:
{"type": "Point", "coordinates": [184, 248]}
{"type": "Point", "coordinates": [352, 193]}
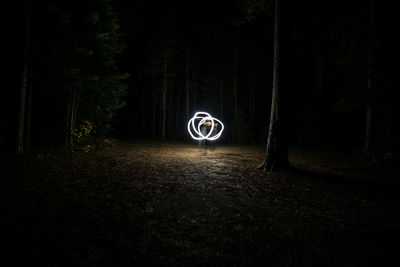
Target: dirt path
{"type": "Point", "coordinates": [173, 204]}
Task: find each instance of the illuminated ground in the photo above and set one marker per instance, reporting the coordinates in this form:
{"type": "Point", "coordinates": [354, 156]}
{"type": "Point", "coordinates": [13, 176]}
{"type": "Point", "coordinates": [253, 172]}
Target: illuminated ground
{"type": "Point", "coordinates": [174, 204]}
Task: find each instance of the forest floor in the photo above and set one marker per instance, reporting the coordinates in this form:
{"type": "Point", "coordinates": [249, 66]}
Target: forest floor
{"type": "Point", "coordinates": [173, 204]}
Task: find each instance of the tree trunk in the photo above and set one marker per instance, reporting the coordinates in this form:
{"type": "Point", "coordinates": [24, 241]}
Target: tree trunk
{"type": "Point", "coordinates": [178, 125]}
{"type": "Point", "coordinates": [317, 124]}
{"type": "Point", "coordinates": [154, 105]}
{"type": "Point", "coordinates": [194, 98]}
{"type": "Point", "coordinates": [24, 80]}
{"type": "Point", "coordinates": [235, 106]}
{"type": "Point", "coordinates": [253, 106]}
{"type": "Point", "coordinates": [276, 157]}
{"type": "Point", "coordinates": [73, 126]}
{"type": "Point", "coordinates": [320, 66]}
{"type": "Point", "coordinates": [187, 85]}
{"type": "Point", "coordinates": [72, 119]}
{"type": "Point", "coordinates": [72, 109]}
{"type": "Point", "coordinates": [369, 104]}
{"type": "Point", "coordinates": [221, 97]}
{"type": "Point", "coordinates": [143, 112]}
{"type": "Point", "coordinates": [250, 100]}
{"type": "Point", "coordinates": [170, 112]}
{"type": "Point", "coordinates": [68, 121]}
{"type": "Point", "coordinates": [194, 90]}
{"type": "Point", "coordinates": [29, 112]}
{"type": "Point", "coordinates": [164, 100]}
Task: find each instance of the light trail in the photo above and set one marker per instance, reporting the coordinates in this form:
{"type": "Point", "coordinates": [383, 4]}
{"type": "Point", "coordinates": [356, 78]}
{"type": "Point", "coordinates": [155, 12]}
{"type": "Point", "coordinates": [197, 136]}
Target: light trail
{"type": "Point", "coordinates": [204, 118]}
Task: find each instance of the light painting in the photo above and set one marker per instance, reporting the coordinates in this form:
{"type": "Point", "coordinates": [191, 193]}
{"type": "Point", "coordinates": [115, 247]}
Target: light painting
{"type": "Point", "coordinates": [203, 120]}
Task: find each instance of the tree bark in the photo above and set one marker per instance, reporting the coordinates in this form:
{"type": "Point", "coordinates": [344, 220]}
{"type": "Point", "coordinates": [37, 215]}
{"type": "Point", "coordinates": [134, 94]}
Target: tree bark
{"type": "Point", "coordinates": [75, 112]}
{"type": "Point", "coordinates": [71, 117]}
{"type": "Point", "coordinates": [194, 98]}
{"type": "Point", "coordinates": [71, 123]}
{"type": "Point", "coordinates": [68, 121]}
{"type": "Point", "coordinates": [72, 109]}
{"type": "Point", "coordinates": [154, 105]}
{"type": "Point", "coordinates": [317, 122]}
{"type": "Point", "coordinates": [170, 111]}
{"type": "Point", "coordinates": [187, 85]}
{"type": "Point", "coordinates": [221, 96]}
{"type": "Point", "coordinates": [178, 105]}
{"type": "Point", "coordinates": [24, 80]}
{"type": "Point", "coordinates": [194, 89]}
{"type": "Point", "coordinates": [276, 158]}
{"type": "Point", "coordinates": [143, 114]}
{"type": "Point", "coordinates": [164, 100]}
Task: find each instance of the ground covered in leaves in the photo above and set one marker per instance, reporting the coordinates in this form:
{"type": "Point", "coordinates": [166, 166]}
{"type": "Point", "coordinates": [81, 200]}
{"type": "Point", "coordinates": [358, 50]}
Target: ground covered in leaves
{"type": "Point", "coordinates": [173, 204]}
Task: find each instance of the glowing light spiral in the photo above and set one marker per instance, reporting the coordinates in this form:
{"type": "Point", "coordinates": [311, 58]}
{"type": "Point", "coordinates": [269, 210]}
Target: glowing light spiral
{"type": "Point", "coordinates": [199, 119]}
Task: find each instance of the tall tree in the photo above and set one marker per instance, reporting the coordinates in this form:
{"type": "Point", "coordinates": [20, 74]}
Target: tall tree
{"type": "Point", "coordinates": [80, 64]}
{"type": "Point", "coordinates": [29, 109]}
{"type": "Point", "coordinates": [276, 157]}
{"type": "Point", "coordinates": [172, 99]}
{"type": "Point", "coordinates": [187, 85]}
{"type": "Point", "coordinates": [221, 95]}
{"type": "Point", "coordinates": [154, 103]}
{"type": "Point", "coordinates": [72, 109]}
{"type": "Point", "coordinates": [24, 82]}
{"type": "Point", "coordinates": [178, 112]}
{"type": "Point", "coordinates": [160, 63]}
{"type": "Point", "coordinates": [164, 98]}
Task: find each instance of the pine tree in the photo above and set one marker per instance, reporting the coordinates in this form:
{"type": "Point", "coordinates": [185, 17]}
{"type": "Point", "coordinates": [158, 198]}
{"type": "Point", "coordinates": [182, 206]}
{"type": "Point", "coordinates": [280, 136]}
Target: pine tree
{"type": "Point", "coordinates": [276, 157]}
{"type": "Point", "coordinates": [79, 60]}
{"type": "Point", "coordinates": [24, 82]}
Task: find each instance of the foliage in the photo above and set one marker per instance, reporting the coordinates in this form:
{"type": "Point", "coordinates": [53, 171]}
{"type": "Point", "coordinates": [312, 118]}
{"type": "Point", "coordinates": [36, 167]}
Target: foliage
{"type": "Point", "coordinates": [80, 56]}
{"type": "Point", "coordinates": [251, 8]}
{"type": "Point", "coordinates": [84, 136]}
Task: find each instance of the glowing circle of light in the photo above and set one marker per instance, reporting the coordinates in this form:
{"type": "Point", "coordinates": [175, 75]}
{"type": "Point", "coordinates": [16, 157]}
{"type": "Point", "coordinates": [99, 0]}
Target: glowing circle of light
{"type": "Point", "coordinates": [199, 119]}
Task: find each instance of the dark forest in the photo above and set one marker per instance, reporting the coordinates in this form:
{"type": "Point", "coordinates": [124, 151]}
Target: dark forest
{"type": "Point", "coordinates": [223, 133]}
